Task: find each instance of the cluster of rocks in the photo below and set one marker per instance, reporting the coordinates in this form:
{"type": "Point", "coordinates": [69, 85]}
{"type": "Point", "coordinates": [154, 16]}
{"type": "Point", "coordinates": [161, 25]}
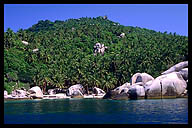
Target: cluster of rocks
{"type": "Point", "coordinates": [99, 48]}
{"type": "Point", "coordinates": [171, 84]}
{"type": "Point", "coordinates": [78, 91]}
{"type": "Point", "coordinates": [75, 91]}
{"type": "Point", "coordinates": [33, 93]}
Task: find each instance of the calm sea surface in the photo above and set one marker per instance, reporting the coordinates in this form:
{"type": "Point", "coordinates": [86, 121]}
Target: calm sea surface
{"type": "Point", "coordinates": [96, 111]}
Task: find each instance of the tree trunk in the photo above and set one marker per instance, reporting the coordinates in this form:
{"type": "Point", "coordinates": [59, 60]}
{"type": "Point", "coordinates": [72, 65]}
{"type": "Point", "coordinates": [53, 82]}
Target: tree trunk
{"type": "Point", "coordinates": [106, 88]}
{"type": "Point", "coordinates": [44, 87]}
{"type": "Point", "coordinates": [87, 90]}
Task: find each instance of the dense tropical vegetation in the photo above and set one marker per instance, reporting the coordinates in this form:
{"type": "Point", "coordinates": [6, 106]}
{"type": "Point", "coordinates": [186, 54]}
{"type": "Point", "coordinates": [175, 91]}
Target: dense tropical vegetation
{"type": "Point", "coordinates": [65, 53]}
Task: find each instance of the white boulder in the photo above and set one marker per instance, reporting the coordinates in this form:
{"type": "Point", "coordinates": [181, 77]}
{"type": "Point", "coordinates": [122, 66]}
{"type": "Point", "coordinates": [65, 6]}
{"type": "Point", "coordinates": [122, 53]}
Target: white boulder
{"type": "Point", "coordinates": [176, 67]}
{"type": "Point", "coordinates": [136, 91]}
{"type": "Point", "coordinates": [122, 35]}
{"type": "Point", "coordinates": [19, 93]}
{"type": "Point", "coordinates": [56, 91]}
{"type": "Point", "coordinates": [77, 94]}
{"type": "Point", "coordinates": [141, 77]}
{"type": "Point", "coordinates": [51, 91]}
{"type": "Point", "coordinates": [35, 92]}
{"type": "Point", "coordinates": [99, 48]}
{"type": "Point", "coordinates": [171, 84]}
{"type": "Point", "coordinates": [25, 42]}
{"type": "Point", "coordinates": [73, 88]}
{"type": "Point", "coordinates": [123, 88]}
{"type": "Point", "coordinates": [184, 73]}
{"type": "Point", "coordinates": [98, 91]}
{"type": "Point", "coordinates": [119, 93]}
{"type": "Point", "coordinates": [5, 93]}
{"type": "Point", "coordinates": [35, 50]}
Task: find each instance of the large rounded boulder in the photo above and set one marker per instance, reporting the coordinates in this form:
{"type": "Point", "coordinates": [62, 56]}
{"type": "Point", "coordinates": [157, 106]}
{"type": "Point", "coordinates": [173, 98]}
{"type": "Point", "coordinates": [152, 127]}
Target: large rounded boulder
{"type": "Point", "coordinates": [171, 85]}
{"type": "Point", "coordinates": [140, 77]}
{"type": "Point", "coordinates": [35, 92]}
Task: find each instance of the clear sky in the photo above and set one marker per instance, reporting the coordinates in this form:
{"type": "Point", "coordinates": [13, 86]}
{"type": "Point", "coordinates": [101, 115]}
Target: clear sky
{"type": "Point", "coordinates": [158, 17]}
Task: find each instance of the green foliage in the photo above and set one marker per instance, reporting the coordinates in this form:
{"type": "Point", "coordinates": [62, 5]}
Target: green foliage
{"type": "Point", "coordinates": [65, 53]}
{"type": "Point", "coordinates": [9, 86]}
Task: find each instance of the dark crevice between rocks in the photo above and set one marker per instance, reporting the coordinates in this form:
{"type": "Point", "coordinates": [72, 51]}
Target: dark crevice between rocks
{"type": "Point", "coordinates": [161, 88]}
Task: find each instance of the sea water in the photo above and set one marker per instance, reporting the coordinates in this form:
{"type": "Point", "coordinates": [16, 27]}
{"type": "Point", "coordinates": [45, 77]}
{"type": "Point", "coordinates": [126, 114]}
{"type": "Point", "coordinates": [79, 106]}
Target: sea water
{"type": "Point", "coordinates": [96, 111]}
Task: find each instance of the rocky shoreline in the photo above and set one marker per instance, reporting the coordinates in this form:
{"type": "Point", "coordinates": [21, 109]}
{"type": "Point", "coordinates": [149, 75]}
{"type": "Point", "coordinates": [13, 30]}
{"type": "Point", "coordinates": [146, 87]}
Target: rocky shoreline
{"type": "Point", "coordinates": [36, 93]}
{"type": "Point", "coordinates": [171, 84]}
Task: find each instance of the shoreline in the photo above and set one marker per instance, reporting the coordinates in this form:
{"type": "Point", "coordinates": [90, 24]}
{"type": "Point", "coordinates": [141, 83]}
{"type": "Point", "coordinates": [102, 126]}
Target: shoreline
{"type": "Point", "coordinates": [60, 96]}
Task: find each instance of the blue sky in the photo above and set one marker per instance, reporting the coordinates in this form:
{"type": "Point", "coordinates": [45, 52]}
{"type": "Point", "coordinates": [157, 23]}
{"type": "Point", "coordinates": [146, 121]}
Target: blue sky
{"type": "Point", "coordinates": [158, 17]}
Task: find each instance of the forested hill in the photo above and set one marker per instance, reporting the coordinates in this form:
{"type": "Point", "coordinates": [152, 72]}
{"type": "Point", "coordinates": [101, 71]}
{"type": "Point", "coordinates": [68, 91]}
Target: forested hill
{"type": "Point", "coordinates": [61, 53]}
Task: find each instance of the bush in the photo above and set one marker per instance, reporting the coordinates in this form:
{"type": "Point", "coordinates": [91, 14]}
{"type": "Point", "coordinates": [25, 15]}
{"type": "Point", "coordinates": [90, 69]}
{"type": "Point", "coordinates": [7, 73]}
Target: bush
{"type": "Point", "coordinates": [9, 87]}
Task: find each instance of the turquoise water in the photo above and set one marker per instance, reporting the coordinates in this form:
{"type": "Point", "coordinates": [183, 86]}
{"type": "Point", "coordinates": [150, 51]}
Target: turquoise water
{"type": "Point", "coordinates": [96, 111]}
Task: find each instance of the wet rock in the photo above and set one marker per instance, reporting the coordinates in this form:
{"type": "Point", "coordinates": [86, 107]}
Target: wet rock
{"type": "Point", "coordinates": [136, 91]}
{"type": "Point", "coordinates": [123, 88]}
{"type": "Point", "coordinates": [118, 93]}
{"type": "Point", "coordinates": [121, 96]}
{"type": "Point", "coordinates": [187, 84]}
{"type": "Point", "coordinates": [111, 94]}
{"type": "Point", "coordinates": [184, 94]}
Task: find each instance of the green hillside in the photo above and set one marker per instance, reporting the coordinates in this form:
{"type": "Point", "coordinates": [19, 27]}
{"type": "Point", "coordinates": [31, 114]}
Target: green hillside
{"type": "Point", "coordinates": [65, 53]}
